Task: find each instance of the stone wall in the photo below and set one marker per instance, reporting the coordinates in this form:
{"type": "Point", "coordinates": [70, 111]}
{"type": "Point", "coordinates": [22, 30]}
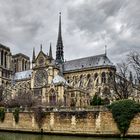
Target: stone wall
{"type": "Point", "coordinates": [79, 122]}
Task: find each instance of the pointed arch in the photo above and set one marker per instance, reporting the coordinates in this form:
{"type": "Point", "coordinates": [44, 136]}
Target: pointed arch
{"type": "Point", "coordinates": [103, 77]}
{"type": "Point", "coordinates": [96, 79]}
{"type": "Point", "coordinates": [23, 64]}
{"type": "Point", "coordinates": [81, 81]}
{"type": "Point", "coordinates": [89, 80]}
{"type": "Point", "coordinates": [52, 97]}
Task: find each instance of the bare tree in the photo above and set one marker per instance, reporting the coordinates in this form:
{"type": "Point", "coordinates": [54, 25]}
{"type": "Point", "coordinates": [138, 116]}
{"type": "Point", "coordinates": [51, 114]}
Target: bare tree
{"type": "Point", "coordinates": [22, 98]}
{"type": "Point", "coordinates": [134, 60]}
{"type": "Point", "coordinates": [121, 84]}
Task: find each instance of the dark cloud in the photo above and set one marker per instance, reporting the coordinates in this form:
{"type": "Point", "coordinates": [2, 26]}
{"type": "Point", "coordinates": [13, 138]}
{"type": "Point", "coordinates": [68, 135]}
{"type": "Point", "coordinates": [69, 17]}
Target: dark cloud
{"type": "Point", "coordinates": [87, 26]}
{"type": "Point", "coordinates": [115, 23]}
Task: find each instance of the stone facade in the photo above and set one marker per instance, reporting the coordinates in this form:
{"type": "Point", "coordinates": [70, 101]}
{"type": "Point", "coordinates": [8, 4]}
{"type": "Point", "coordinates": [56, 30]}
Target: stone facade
{"type": "Point", "coordinates": [10, 64]}
{"type": "Point", "coordinates": [95, 123]}
{"type": "Point", "coordinates": [5, 64]}
{"type": "Point", "coordinates": [54, 81]}
{"type": "Point", "coordinates": [20, 62]}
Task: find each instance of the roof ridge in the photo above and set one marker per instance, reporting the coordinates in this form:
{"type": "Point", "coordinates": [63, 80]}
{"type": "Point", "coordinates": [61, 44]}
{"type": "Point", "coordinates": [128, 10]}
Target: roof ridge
{"type": "Point", "coordinates": [24, 55]}
{"type": "Point", "coordinates": [5, 47]}
{"type": "Point", "coordinates": [86, 57]}
{"type": "Point", "coordinates": [87, 62]}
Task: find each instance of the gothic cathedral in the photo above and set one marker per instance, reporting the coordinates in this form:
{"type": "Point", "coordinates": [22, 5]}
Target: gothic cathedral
{"type": "Point", "coordinates": [55, 81]}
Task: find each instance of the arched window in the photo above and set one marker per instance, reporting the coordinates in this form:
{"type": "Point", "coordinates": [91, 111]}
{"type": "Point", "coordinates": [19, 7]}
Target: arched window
{"type": "Point", "coordinates": [88, 76]}
{"type": "Point", "coordinates": [15, 67]}
{"type": "Point", "coordinates": [23, 65]}
{"type": "Point", "coordinates": [52, 99]}
{"type": "Point", "coordinates": [65, 100]}
{"type": "Point", "coordinates": [96, 78]}
{"type": "Point", "coordinates": [73, 81]}
{"type": "Point", "coordinates": [110, 77]}
{"type": "Point", "coordinates": [103, 77]}
{"type": "Point", "coordinates": [89, 80]}
{"type": "Point", "coordinates": [81, 76]}
{"type": "Point", "coordinates": [68, 79]}
{"type": "Point", "coordinates": [2, 57]}
{"type": "Point", "coordinates": [73, 78]}
{"type": "Point", "coordinates": [81, 81]}
{"type": "Point", "coordinates": [110, 74]}
{"type": "Point", "coordinates": [5, 60]}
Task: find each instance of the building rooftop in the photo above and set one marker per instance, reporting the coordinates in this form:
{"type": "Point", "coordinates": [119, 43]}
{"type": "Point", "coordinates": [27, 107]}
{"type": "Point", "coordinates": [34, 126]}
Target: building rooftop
{"type": "Point", "coordinates": [20, 54]}
{"type": "Point", "coordinates": [23, 75]}
{"type": "Point", "coordinates": [87, 62]}
{"type": "Point", "coordinates": [4, 47]}
{"type": "Point", "coordinates": [59, 80]}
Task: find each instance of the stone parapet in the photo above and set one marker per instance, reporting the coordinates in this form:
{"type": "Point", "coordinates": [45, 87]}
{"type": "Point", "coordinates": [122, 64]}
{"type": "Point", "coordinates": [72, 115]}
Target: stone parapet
{"type": "Point", "coordinates": [93, 122]}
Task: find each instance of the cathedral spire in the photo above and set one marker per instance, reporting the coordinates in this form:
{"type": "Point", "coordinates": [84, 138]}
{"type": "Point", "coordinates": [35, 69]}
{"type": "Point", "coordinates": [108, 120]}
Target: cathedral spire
{"type": "Point", "coordinates": [106, 50]}
{"type": "Point", "coordinates": [33, 57]}
{"type": "Point", "coordinates": [50, 52]}
{"type": "Point", "coordinates": [40, 47]}
{"type": "Point", "coordinates": [59, 46]}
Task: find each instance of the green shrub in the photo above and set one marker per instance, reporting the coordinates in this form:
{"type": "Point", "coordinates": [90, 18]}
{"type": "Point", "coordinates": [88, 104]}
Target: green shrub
{"type": "Point", "coordinates": [2, 114]}
{"type": "Point", "coordinates": [96, 100]}
{"type": "Point", "coordinates": [16, 115]}
{"type": "Point", "coordinates": [123, 112]}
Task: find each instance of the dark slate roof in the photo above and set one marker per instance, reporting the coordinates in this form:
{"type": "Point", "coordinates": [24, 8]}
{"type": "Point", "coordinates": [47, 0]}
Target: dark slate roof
{"type": "Point", "coordinates": [88, 63]}
{"type": "Point", "coordinates": [23, 75]}
{"type": "Point", "coordinates": [4, 47]}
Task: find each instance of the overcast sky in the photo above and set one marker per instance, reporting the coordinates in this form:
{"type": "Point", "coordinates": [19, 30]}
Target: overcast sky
{"type": "Point", "coordinates": [87, 26]}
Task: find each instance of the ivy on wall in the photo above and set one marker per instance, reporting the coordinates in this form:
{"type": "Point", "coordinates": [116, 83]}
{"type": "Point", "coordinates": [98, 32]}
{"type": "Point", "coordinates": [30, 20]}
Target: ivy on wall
{"type": "Point", "coordinates": [39, 116]}
{"type": "Point", "coordinates": [2, 114]}
{"type": "Point", "coordinates": [16, 115]}
{"type": "Point", "coordinates": [123, 112]}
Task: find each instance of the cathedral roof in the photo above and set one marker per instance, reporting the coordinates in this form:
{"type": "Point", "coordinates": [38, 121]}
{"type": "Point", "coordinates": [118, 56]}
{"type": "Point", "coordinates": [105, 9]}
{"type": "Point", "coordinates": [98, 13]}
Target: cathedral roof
{"type": "Point", "coordinates": [59, 80]}
{"type": "Point", "coordinates": [4, 47]}
{"type": "Point", "coordinates": [88, 63]}
{"type": "Point", "coordinates": [23, 75]}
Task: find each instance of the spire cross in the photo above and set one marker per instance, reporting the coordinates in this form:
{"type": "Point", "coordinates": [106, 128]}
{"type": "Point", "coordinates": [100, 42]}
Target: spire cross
{"type": "Point", "coordinates": [40, 47]}
{"type": "Point", "coordinates": [33, 57]}
{"type": "Point", "coordinates": [50, 51]}
{"type": "Point", "coordinates": [34, 51]}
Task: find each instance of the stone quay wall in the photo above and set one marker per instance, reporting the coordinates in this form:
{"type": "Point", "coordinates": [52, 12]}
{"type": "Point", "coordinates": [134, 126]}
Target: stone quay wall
{"type": "Point", "coordinates": [93, 122]}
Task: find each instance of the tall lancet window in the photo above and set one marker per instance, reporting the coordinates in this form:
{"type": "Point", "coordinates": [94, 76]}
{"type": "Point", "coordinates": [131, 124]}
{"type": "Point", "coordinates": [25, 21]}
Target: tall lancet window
{"type": "Point", "coordinates": [103, 77]}
{"type": "Point", "coordinates": [2, 57]}
{"type": "Point", "coordinates": [52, 99]}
